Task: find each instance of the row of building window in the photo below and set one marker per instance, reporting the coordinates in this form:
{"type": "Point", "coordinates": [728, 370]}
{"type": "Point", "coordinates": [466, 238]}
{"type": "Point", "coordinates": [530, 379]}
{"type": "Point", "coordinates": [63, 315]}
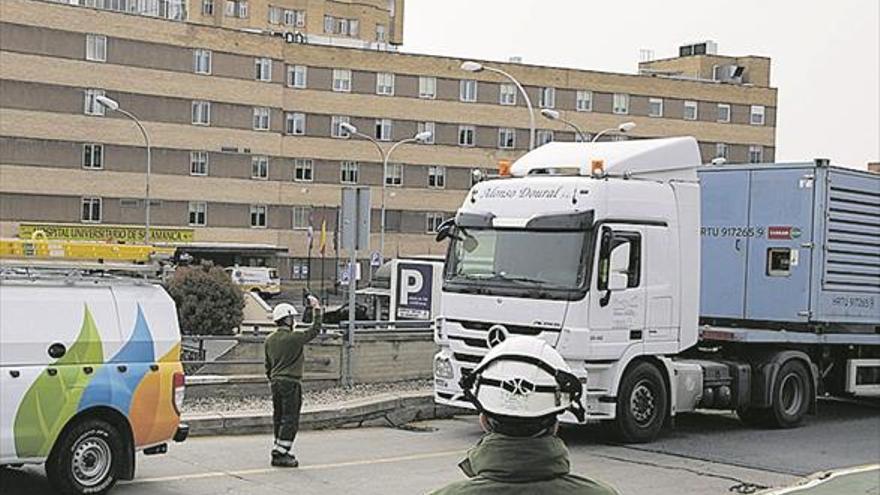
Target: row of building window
{"type": "Point", "coordinates": [286, 17]}
{"type": "Point", "coordinates": [303, 168]}
{"type": "Point", "coordinates": [349, 171]}
{"type": "Point", "coordinates": [92, 212]}
{"type": "Point", "coordinates": [174, 10]}
{"type": "Point", "coordinates": [297, 77]}
{"type": "Point", "coordinates": [295, 122]}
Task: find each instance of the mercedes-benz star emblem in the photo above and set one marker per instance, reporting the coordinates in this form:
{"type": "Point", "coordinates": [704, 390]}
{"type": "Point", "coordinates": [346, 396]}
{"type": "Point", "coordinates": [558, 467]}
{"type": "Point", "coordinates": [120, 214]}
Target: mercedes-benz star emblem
{"type": "Point", "coordinates": [497, 334]}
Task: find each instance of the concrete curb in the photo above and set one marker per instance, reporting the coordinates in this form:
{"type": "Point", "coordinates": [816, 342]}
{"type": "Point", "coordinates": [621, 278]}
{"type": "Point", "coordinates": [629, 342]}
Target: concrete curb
{"type": "Point", "coordinates": [380, 410]}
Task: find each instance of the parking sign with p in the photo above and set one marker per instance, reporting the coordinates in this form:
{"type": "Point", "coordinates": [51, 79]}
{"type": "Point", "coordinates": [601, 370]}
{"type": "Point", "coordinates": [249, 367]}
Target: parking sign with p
{"type": "Point", "coordinates": [414, 291]}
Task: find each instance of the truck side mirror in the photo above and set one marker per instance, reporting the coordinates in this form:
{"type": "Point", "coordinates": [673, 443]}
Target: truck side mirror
{"type": "Point", "coordinates": [445, 230]}
{"type": "Point", "coordinates": [617, 281]}
{"type": "Point", "coordinates": [618, 276]}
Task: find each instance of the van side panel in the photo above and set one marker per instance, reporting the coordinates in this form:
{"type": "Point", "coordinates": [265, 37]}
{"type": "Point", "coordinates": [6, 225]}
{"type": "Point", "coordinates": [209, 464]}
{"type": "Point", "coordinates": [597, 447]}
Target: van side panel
{"type": "Point", "coordinates": [148, 320]}
{"type": "Point", "coordinates": [46, 393]}
{"type": "Point", "coordinates": [154, 419]}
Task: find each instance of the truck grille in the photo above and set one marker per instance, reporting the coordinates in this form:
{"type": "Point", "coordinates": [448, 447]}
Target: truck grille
{"type": "Point", "coordinates": [483, 326]}
{"type": "Point", "coordinates": [467, 358]}
{"type": "Point", "coordinates": [471, 342]}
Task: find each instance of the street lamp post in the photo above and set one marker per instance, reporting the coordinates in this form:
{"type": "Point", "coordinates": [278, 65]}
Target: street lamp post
{"type": "Point", "coordinates": [554, 115]}
{"type": "Point", "coordinates": [622, 128]}
{"type": "Point", "coordinates": [472, 66]}
{"type": "Point", "coordinates": [113, 106]}
{"type": "Point", "coordinates": [420, 137]}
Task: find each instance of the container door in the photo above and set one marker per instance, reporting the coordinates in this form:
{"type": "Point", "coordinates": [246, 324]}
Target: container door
{"type": "Point", "coordinates": [725, 234]}
{"type": "Point", "coordinates": [778, 286]}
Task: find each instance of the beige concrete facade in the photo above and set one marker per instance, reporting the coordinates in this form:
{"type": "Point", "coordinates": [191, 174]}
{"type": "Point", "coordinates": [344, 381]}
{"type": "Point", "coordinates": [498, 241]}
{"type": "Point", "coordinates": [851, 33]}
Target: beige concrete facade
{"type": "Point", "coordinates": [149, 69]}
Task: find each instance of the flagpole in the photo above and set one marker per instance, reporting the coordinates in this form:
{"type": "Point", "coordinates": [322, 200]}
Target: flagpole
{"type": "Point", "coordinates": [311, 235]}
{"type": "Point", "coordinates": [323, 260]}
{"type": "Point", "coordinates": [309, 264]}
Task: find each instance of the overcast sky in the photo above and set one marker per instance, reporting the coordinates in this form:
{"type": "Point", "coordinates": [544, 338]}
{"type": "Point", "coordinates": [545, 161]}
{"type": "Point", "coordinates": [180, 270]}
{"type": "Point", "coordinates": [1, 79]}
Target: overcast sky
{"type": "Point", "coordinates": [825, 54]}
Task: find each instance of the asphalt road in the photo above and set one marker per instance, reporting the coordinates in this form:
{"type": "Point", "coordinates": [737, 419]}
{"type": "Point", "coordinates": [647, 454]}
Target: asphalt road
{"type": "Point", "coordinates": [704, 454]}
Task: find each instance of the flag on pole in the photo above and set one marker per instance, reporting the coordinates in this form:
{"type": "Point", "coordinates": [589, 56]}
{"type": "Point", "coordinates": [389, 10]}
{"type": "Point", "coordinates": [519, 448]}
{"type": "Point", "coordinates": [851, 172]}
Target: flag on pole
{"type": "Point", "coordinates": [310, 232]}
{"type": "Point", "coordinates": [323, 239]}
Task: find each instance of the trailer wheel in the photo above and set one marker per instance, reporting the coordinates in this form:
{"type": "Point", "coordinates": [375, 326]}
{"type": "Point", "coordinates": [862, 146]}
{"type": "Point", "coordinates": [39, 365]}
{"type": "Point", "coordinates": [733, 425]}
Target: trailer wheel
{"type": "Point", "coordinates": [641, 404]}
{"type": "Point", "coordinates": [86, 459]}
{"type": "Point", "coordinates": [792, 395]}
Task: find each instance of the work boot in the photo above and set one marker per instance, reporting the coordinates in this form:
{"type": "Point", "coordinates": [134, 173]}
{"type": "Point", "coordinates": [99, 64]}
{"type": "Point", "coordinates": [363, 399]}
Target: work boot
{"type": "Point", "coordinates": [284, 460]}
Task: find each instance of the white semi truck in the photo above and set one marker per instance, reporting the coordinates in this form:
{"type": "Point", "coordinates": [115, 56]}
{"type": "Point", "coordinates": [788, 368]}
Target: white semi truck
{"type": "Point", "coordinates": [600, 250]}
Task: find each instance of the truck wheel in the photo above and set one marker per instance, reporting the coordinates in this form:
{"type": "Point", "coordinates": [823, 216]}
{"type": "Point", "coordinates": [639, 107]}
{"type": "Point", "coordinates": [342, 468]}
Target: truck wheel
{"type": "Point", "coordinates": [792, 394]}
{"type": "Point", "coordinates": [86, 458]}
{"type": "Point", "coordinates": [641, 404]}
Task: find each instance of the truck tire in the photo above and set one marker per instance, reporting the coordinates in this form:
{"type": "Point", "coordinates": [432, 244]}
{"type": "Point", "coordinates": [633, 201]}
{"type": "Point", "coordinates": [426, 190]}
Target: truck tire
{"type": "Point", "coordinates": [792, 395]}
{"type": "Point", "coordinates": [641, 404]}
{"type": "Point", "coordinates": [86, 458]}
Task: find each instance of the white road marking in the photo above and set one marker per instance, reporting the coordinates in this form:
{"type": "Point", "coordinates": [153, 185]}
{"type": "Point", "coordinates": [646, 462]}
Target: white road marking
{"type": "Point", "coordinates": [251, 472]}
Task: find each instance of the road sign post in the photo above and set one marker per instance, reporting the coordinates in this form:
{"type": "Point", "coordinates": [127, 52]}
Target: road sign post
{"type": "Point", "coordinates": [355, 235]}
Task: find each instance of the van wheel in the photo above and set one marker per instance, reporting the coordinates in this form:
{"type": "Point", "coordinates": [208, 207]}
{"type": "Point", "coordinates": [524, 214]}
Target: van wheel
{"type": "Point", "coordinates": [792, 394]}
{"type": "Point", "coordinates": [86, 458]}
{"type": "Point", "coordinates": [641, 404]}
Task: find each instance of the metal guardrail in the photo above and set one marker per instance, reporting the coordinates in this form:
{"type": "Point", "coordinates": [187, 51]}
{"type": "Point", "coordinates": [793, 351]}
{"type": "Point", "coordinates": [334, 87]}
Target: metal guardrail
{"type": "Point", "coordinates": [384, 326]}
{"type": "Point", "coordinates": [194, 353]}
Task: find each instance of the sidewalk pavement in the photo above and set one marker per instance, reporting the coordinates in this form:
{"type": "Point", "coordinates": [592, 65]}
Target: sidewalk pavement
{"type": "Point", "coordinates": [390, 409]}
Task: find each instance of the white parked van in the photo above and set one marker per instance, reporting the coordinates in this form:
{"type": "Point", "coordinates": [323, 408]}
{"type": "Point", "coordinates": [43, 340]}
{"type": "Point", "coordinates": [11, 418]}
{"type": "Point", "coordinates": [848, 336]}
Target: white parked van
{"type": "Point", "coordinates": [90, 373]}
{"type": "Point", "coordinates": [261, 279]}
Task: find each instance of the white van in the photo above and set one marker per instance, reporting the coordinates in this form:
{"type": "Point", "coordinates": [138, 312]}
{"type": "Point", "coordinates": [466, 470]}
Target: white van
{"type": "Point", "coordinates": [90, 373]}
{"type": "Point", "coordinates": [260, 279]}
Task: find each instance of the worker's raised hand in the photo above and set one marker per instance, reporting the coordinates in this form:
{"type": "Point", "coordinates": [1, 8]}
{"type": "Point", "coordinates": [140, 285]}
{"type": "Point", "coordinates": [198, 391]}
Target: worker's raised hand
{"type": "Point", "coordinates": [314, 303]}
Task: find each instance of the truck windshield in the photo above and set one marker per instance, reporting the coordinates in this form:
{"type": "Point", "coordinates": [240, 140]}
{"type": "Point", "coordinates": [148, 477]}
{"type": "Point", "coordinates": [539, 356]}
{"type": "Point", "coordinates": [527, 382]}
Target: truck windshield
{"type": "Point", "coordinates": [529, 262]}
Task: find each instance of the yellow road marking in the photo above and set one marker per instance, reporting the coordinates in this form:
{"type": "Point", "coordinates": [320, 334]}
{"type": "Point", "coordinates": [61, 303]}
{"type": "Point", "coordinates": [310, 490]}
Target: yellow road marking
{"type": "Point", "coordinates": [250, 472]}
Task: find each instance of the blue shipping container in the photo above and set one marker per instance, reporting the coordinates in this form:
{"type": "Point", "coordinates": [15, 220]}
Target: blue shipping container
{"type": "Point", "coordinates": [790, 243]}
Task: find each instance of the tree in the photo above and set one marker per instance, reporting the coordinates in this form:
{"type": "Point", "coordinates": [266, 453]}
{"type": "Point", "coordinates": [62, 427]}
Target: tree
{"type": "Point", "coordinates": [208, 301]}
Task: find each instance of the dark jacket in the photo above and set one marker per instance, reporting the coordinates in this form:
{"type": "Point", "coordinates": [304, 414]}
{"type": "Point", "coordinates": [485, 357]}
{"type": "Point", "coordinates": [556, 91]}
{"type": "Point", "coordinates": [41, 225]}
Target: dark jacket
{"type": "Point", "coordinates": [500, 464]}
{"type": "Point", "coordinates": [285, 348]}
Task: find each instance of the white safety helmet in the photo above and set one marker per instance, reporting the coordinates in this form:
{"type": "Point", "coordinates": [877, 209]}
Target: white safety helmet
{"type": "Point", "coordinates": [282, 311]}
{"type": "Point", "coordinates": [523, 378]}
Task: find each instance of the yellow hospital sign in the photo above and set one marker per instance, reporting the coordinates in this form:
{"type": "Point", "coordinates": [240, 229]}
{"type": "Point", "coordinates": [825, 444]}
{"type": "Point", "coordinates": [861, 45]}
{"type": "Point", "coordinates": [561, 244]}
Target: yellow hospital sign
{"type": "Point", "coordinates": [106, 233]}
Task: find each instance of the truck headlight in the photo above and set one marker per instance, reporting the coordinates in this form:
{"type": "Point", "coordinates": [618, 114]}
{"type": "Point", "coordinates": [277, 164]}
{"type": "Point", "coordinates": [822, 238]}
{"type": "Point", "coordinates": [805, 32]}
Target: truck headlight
{"type": "Point", "coordinates": [443, 368]}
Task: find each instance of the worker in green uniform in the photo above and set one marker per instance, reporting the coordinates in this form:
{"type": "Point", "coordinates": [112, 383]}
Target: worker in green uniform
{"type": "Point", "coordinates": [284, 368]}
{"type": "Point", "coordinates": [520, 387]}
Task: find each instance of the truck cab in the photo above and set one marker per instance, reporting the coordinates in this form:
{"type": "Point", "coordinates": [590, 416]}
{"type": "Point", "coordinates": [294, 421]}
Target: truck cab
{"type": "Point", "coordinates": [591, 247]}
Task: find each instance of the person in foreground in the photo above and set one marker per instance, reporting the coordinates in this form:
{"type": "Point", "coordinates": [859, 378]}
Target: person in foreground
{"type": "Point", "coordinates": [284, 368]}
{"type": "Point", "coordinates": [520, 387]}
